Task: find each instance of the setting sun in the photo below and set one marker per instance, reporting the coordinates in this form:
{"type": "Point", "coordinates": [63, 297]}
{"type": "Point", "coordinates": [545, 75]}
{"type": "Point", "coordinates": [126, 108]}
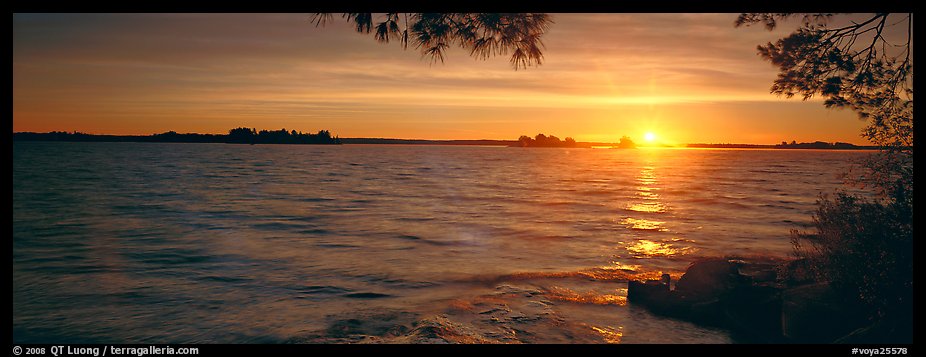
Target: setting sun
{"type": "Point", "coordinates": [649, 137]}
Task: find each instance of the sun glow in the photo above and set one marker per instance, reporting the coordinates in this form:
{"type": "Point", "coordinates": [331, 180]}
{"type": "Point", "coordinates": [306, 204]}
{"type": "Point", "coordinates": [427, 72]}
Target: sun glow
{"type": "Point", "coordinates": [649, 137]}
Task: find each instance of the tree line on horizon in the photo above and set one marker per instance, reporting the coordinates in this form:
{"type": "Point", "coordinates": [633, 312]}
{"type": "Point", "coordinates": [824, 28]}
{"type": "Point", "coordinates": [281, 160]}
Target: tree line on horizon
{"type": "Point", "coordinates": [816, 145]}
{"type": "Point", "coordinates": [541, 140]}
{"type": "Point", "coordinates": [785, 145]}
{"type": "Point", "coordinates": [252, 136]}
{"type": "Point", "coordinates": [239, 135]}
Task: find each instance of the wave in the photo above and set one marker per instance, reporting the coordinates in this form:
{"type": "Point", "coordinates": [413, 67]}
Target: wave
{"type": "Point", "coordinates": [418, 239]}
{"type": "Point", "coordinates": [603, 274]}
{"type": "Point", "coordinates": [589, 297]}
{"type": "Point", "coordinates": [314, 199]}
{"type": "Point", "coordinates": [337, 246]}
{"type": "Point", "coordinates": [281, 226]}
{"type": "Point", "coordinates": [366, 295]}
{"type": "Point", "coordinates": [315, 231]}
{"type": "Point", "coordinates": [716, 202]}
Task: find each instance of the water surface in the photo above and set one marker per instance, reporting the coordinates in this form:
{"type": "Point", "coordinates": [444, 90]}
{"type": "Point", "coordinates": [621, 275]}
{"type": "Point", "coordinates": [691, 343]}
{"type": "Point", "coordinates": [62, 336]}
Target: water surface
{"type": "Point", "coordinates": [215, 243]}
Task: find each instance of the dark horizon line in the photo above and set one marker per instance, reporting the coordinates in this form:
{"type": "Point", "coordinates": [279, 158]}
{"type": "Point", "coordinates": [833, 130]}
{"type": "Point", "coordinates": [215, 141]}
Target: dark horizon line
{"type": "Point", "coordinates": [49, 136]}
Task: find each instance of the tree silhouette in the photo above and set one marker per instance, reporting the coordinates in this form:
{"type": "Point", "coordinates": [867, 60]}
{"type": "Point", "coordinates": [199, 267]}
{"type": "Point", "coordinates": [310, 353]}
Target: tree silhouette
{"type": "Point", "coordinates": [252, 136]}
{"type": "Point", "coordinates": [863, 247]}
{"type": "Point", "coordinates": [854, 66]}
{"type": "Point", "coordinates": [242, 135]}
{"type": "Point", "coordinates": [860, 67]}
{"type": "Point", "coordinates": [626, 143]}
{"type": "Point", "coordinates": [483, 34]}
{"type": "Point", "coordinates": [541, 140]}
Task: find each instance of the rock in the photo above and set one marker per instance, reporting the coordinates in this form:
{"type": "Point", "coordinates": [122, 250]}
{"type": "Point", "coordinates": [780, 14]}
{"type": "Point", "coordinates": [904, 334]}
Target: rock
{"type": "Point", "coordinates": [760, 273]}
{"type": "Point", "coordinates": [765, 276]}
{"type": "Point", "coordinates": [814, 313]}
{"type": "Point", "coordinates": [656, 296]}
{"type": "Point", "coordinates": [755, 302]}
{"type": "Point", "coordinates": [708, 280]}
{"type": "Point", "coordinates": [645, 292]}
{"type": "Point", "coordinates": [754, 311]}
{"type": "Point", "coordinates": [708, 313]}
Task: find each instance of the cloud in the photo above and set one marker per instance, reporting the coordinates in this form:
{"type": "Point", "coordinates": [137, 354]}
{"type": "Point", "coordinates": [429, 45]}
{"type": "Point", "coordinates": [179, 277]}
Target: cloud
{"type": "Point", "coordinates": [281, 68]}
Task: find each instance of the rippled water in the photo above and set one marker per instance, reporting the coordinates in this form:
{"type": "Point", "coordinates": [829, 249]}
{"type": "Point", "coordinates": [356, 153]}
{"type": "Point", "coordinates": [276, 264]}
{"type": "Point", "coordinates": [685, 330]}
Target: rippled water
{"type": "Point", "coordinates": [157, 242]}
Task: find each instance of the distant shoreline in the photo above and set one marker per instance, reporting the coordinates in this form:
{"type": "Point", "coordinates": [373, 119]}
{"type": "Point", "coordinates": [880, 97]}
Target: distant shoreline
{"type": "Point", "coordinates": [235, 136]}
{"type": "Point", "coordinates": [818, 145]}
{"type": "Point", "coordinates": [171, 137]}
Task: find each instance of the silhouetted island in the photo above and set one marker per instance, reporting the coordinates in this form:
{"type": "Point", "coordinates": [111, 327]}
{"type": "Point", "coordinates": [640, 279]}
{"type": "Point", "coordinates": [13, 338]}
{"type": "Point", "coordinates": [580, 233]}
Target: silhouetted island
{"type": "Point", "coordinates": [542, 140]}
{"type": "Point", "coordinates": [391, 141]}
{"type": "Point", "coordinates": [626, 143]}
{"type": "Point", "coordinates": [234, 136]}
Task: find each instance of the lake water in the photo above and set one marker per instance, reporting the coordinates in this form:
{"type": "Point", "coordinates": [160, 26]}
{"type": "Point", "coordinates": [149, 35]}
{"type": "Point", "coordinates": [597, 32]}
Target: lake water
{"type": "Point", "coordinates": [218, 243]}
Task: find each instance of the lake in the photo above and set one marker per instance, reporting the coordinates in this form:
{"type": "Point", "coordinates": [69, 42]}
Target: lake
{"type": "Point", "coordinates": [222, 243]}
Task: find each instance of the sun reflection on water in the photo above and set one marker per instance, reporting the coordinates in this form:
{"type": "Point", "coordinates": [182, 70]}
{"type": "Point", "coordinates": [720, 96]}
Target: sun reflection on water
{"type": "Point", "coordinates": [621, 266]}
{"type": "Point", "coordinates": [591, 297]}
{"type": "Point", "coordinates": [646, 191]}
{"type": "Point", "coordinates": [645, 248]}
{"type": "Point", "coordinates": [647, 176]}
{"type": "Point", "coordinates": [609, 334]}
{"type": "Point", "coordinates": [654, 207]}
{"type": "Point", "coordinates": [644, 224]}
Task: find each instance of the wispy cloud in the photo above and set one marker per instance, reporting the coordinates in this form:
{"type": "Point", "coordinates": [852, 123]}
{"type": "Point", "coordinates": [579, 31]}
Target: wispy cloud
{"type": "Point", "coordinates": [158, 72]}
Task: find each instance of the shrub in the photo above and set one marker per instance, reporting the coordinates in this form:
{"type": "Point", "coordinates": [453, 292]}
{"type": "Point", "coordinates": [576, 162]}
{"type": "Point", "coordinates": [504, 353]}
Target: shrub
{"type": "Point", "coordinates": [864, 248]}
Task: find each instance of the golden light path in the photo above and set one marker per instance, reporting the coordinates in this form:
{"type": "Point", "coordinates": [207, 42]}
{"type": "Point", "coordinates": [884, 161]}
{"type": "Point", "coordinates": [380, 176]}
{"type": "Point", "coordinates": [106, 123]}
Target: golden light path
{"type": "Point", "coordinates": [648, 204]}
{"type": "Point", "coordinates": [644, 225]}
{"type": "Point", "coordinates": [610, 334]}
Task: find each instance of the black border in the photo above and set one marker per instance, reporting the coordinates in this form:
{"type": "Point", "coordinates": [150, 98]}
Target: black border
{"type": "Point", "coordinates": [540, 349]}
{"type": "Point", "coordinates": [554, 6]}
{"type": "Point", "coordinates": [550, 6]}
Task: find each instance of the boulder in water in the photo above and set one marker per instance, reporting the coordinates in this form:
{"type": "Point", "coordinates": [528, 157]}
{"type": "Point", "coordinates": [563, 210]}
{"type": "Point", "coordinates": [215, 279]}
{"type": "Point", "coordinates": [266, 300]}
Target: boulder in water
{"type": "Point", "coordinates": [647, 291]}
{"type": "Point", "coordinates": [708, 280]}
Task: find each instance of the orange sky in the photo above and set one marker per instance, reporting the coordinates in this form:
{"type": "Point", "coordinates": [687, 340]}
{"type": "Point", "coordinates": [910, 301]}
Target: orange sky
{"type": "Point", "coordinates": [685, 77]}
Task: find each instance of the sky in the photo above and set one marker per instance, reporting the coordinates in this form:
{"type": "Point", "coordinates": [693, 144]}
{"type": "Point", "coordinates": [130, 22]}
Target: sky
{"type": "Point", "coordinates": [686, 78]}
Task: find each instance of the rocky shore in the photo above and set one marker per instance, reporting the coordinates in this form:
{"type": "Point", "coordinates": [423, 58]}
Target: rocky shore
{"type": "Point", "coordinates": [764, 302]}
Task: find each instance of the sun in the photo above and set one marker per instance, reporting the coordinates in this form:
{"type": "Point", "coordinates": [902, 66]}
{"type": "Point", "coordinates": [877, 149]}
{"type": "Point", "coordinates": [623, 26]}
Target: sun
{"type": "Point", "coordinates": [649, 137]}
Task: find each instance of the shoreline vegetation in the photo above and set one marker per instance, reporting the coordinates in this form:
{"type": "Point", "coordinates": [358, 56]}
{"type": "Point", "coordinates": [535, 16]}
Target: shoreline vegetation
{"type": "Point", "coordinates": [235, 136]}
{"type": "Point", "coordinates": [817, 145]}
{"type": "Point", "coordinates": [324, 137]}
